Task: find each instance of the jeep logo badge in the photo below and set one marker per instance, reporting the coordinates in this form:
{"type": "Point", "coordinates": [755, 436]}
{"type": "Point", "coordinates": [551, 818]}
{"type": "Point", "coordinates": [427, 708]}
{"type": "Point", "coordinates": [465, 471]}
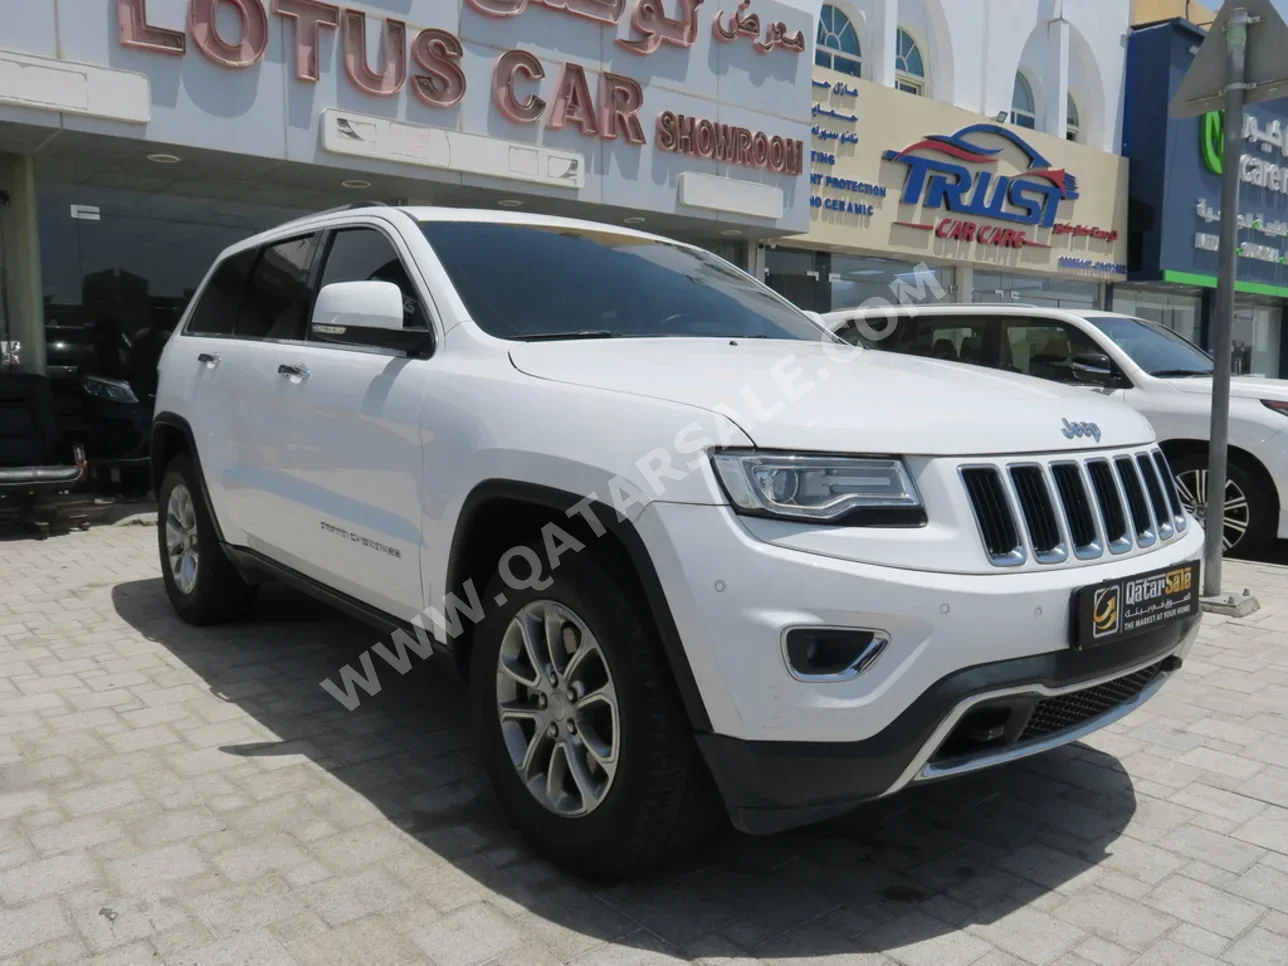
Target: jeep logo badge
{"type": "Point", "coordinates": [1077, 430]}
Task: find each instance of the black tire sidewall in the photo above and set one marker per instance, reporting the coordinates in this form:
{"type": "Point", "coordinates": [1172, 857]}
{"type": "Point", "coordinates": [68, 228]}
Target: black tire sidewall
{"type": "Point", "coordinates": [193, 606]}
{"type": "Point", "coordinates": [650, 723]}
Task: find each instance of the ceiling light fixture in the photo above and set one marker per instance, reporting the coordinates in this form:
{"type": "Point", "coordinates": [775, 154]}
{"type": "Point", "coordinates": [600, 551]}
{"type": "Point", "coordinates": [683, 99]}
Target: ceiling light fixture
{"type": "Point", "coordinates": [732, 231]}
{"type": "Point", "coordinates": [510, 203]}
{"type": "Point", "coordinates": [355, 183]}
{"type": "Point", "coordinates": [633, 220]}
{"type": "Point", "coordinates": [164, 158]}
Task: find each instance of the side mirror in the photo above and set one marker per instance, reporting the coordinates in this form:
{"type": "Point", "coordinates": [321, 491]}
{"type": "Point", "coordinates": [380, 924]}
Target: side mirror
{"type": "Point", "coordinates": [816, 317]}
{"type": "Point", "coordinates": [1093, 367]}
{"type": "Point", "coordinates": [366, 314]}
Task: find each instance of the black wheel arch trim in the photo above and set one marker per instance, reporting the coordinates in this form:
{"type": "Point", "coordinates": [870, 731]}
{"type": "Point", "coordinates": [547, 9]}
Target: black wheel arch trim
{"type": "Point", "coordinates": [552, 498]}
{"type": "Point", "coordinates": [162, 422]}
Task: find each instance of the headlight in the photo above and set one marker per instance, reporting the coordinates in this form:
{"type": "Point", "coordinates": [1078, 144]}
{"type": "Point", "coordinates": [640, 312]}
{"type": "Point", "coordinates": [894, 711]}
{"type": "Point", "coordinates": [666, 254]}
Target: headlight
{"type": "Point", "coordinates": [822, 489]}
{"type": "Point", "coordinates": [1276, 405]}
{"type": "Point", "coordinates": [113, 390]}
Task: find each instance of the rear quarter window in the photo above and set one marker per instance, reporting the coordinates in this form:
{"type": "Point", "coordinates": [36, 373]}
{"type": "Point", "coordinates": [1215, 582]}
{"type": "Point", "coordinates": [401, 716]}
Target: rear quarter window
{"type": "Point", "coordinates": [217, 306]}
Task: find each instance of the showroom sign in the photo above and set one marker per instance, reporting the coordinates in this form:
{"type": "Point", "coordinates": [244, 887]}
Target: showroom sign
{"type": "Point", "coordinates": [428, 62]}
{"type": "Point", "coordinates": [926, 179]}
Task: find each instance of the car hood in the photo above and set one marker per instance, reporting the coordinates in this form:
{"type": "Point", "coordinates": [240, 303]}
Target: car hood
{"type": "Point", "coordinates": [808, 396]}
{"type": "Point", "coordinates": [1247, 387]}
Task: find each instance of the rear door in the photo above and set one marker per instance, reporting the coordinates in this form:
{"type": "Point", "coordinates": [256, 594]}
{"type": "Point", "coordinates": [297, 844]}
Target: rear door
{"type": "Point", "coordinates": [212, 367]}
{"type": "Point", "coordinates": [342, 431]}
{"type": "Point", "coordinates": [275, 303]}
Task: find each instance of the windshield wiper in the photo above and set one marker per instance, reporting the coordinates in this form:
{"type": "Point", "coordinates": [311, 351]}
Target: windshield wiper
{"type": "Point", "coordinates": [1166, 373]}
{"type": "Point", "coordinates": [574, 334]}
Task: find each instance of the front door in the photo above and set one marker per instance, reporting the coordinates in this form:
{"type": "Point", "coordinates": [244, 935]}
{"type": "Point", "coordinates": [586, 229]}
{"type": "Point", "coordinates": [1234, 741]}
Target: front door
{"type": "Point", "coordinates": [342, 424]}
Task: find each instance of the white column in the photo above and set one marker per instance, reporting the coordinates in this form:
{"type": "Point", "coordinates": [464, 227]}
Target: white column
{"type": "Point", "coordinates": [964, 282]}
{"type": "Point", "coordinates": [20, 262]}
{"type": "Point", "coordinates": [878, 56]}
{"type": "Point", "coordinates": [1055, 82]}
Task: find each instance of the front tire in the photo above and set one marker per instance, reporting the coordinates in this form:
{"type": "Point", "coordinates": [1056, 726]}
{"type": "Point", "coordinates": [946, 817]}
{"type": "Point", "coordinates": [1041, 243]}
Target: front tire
{"type": "Point", "coordinates": [202, 584]}
{"type": "Point", "coordinates": [1250, 518]}
{"type": "Point", "coordinates": [582, 730]}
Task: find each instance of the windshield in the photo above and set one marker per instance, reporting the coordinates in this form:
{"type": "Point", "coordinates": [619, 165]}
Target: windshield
{"type": "Point", "coordinates": [1155, 348]}
{"type": "Point", "coordinates": [538, 282]}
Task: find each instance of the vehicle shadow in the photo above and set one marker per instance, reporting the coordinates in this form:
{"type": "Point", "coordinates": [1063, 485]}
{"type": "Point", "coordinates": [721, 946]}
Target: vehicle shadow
{"type": "Point", "coordinates": [892, 873]}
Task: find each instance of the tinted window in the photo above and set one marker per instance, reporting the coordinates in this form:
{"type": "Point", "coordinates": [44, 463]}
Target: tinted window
{"type": "Point", "coordinates": [216, 310]}
{"type": "Point", "coordinates": [366, 255]}
{"type": "Point", "coordinates": [958, 339]}
{"type": "Point", "coordinates": [1044, 348]}
{"type": "Point", "coordinates": [525, 281]}
{"type": "Point", "coordinates": [277, 295]}
{"type": "Point", "coordinates": [1156, 349]}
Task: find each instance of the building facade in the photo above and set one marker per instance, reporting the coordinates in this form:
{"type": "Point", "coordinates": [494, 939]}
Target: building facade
{"type": "Point", "coordinates": [1176, 204]}
{"type": "Point", "coordinates": [968, 145]}
{"type": "Point", "coordinates": [140, 137]}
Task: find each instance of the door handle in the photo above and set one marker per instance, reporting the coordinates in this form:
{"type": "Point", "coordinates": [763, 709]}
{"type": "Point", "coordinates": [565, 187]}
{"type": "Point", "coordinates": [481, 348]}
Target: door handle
{"type": "Point", "coordinates": [211, 359]}
{"type": "Point", "coordinates": [297, 371]}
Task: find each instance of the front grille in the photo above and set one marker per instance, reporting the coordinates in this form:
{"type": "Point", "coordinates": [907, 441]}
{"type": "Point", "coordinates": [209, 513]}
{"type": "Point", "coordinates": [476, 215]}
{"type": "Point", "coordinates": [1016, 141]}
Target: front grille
{"type": "Point", "coordinates": [1157, 499]}
{"type": "Point", "coordinates": [1111, 504]}
{"type": "Point", "coordinates": [1135, 500]}
{"type": "Point", "coordinates": [1038, 511]}
{"type": "Point", "coordinates": [1169, 486]}
{"type": "Point", "coordinates": [1037, 507]}
{"type": "Point", "coordinates": [1070, 710]}
{"type": "Point", "coordinates": [1077, 508]}
{"type": "Point", "coordinates": [993, 514]}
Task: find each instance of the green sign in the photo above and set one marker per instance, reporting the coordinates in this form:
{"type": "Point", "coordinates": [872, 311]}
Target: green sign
{"type": "Point", "coordinates": [1212, 139]}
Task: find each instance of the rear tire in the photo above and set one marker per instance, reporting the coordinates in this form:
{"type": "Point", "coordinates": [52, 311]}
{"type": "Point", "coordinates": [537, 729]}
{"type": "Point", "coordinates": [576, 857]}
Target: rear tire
{"type": "Point", "coordinates": [650, 797]}
{"type": "Point", "coordinates": [1251, 521]}
{"type": "Point", "coordinates": [201, 582]}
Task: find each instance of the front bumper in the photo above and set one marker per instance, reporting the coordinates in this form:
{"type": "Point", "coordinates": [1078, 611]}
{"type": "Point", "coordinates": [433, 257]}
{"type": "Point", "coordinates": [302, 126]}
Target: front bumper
{"type": "Point", "coordinates": [769, 786]}
{"type": "Point", "coordinates": [782, 745]}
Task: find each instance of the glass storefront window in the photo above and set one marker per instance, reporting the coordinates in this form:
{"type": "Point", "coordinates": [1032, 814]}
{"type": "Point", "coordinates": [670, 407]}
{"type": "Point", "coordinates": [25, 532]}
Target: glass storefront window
{"type": "Point", "coordinates": [1044, 291]}
{"type": "Point", "coordinates": [827, 282]}
{"type": "Point", "coordinates": [138, 256]}
{"type": "Point", "coordinates": [1256, 338]}
{"type": "Point", "coordinates": [1179, 311]}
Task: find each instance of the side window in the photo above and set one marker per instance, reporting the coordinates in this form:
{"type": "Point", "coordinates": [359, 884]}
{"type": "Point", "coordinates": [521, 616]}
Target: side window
{"type": "Point", "coordinates": [1044, 348]}
{"type": "Point", "coordinates": [365, 254]}
{"type": "Point", "coordinates": [277, 294]}
{"type": "Point", "coordinates": [951, 339]}
{"type": "Point", "coordinates": [216, 310]}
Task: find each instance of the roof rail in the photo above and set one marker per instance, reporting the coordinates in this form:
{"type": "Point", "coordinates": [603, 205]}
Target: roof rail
{"type": "Point", "coordinates": [352, 206]}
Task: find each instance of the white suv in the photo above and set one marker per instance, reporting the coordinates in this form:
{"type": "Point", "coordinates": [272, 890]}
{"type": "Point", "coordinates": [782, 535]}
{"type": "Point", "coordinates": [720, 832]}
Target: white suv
{"type": "Point", "coordinates": [1146, 365]}
{"type": "Point", "coordinates": [678, 538]}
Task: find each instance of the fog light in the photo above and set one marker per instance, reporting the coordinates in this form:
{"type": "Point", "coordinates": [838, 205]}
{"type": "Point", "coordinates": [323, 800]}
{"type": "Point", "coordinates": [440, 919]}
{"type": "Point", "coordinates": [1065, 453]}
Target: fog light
{"type": "Point", "coordinates": [831, 653]}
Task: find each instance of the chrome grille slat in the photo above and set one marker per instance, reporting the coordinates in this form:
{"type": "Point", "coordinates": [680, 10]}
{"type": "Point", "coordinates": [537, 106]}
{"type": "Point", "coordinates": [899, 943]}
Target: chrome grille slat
{"type": "Point", "coordinates": [1169, 487]}
{"type": "Point", "coordinates": [1157, 499]}
{"type": "Point", "coordinates": [1038, 509]}
{"type": "Point", "coordinates": [1112, 503]}
{"type": "Point", "coordinates": [1055, 509]}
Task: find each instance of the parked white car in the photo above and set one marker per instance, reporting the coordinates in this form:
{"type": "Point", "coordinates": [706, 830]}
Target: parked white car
{"type": "Point", "coordinates": [1140, 362]}
{"type": "Point", "coordinates": [689, 541]}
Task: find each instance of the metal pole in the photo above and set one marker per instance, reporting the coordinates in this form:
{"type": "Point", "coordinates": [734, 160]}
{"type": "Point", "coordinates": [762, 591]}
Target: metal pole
{"type": "Point", "coordinates": [1236, 43]}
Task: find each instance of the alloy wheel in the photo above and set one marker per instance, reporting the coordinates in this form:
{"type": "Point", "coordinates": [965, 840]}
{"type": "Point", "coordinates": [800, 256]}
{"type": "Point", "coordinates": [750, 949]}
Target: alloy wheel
{"type": "Point", "coordinates": [558, 708]}
{"type": "Point", "coordinates": [1193, 488]}
{"type": "Point", "coordinates": [181, 538]}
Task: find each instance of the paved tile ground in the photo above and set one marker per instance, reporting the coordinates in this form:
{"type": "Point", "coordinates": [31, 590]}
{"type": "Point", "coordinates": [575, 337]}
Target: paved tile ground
{"type": "Point", "coordinates": [180, 796]}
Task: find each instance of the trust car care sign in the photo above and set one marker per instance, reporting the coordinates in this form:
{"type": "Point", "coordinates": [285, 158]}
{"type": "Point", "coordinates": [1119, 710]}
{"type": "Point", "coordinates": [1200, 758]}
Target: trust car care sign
{"type": "Point", "coordinates": [895, 172]}
{"type": "Point", "coordinates": [428, 62]}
